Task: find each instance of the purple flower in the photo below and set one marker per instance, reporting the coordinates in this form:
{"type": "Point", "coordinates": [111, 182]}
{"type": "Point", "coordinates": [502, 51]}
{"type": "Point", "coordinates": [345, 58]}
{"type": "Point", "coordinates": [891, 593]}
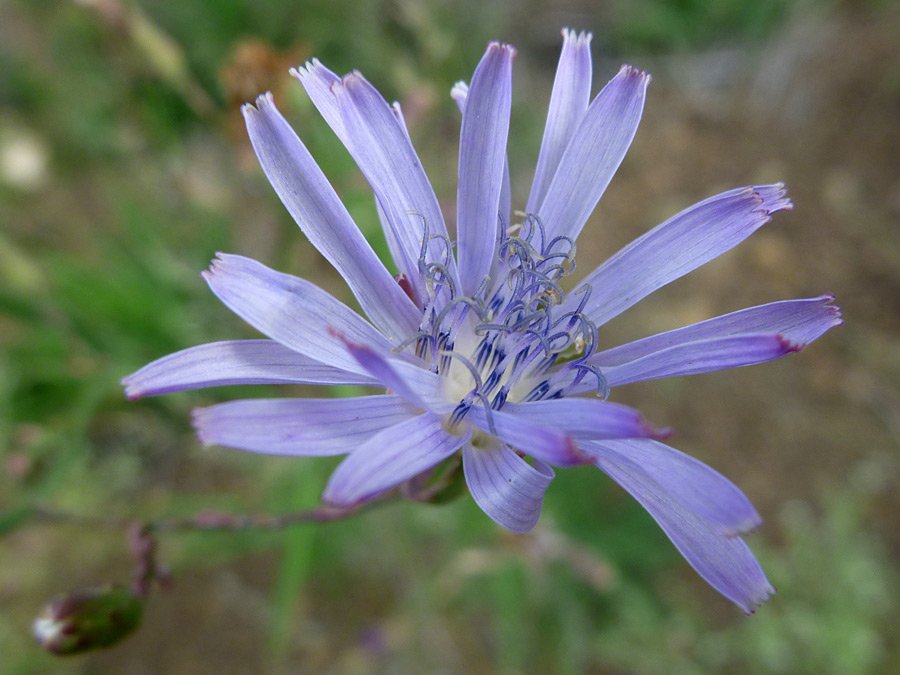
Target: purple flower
{"type": "Point", "coordinates": [482, 352]}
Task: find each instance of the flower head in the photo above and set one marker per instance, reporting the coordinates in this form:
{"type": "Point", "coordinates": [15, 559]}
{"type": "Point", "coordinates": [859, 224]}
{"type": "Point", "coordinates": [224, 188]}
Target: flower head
{"type": "Point", "coordinates": [480, 349]}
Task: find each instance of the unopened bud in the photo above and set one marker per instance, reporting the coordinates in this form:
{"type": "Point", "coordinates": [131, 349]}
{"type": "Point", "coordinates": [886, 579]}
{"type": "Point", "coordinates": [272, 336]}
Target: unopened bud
{"type": "Point", "coordinates": [88, 618]}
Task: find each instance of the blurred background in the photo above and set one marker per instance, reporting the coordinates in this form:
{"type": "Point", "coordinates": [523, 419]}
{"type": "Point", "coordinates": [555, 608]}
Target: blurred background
{"type": "Point", "coordinates": [124, 166]}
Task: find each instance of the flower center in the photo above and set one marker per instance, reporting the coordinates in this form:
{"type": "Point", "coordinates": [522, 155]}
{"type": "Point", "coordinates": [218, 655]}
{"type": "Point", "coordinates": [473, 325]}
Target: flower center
{"type": "Point", "coordinates": [509, 340]}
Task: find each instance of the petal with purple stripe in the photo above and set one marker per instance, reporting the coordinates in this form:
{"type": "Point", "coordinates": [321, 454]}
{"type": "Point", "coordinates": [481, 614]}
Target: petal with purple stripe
{"type": "Point", "coordinates": [540, 441]}
{"type": "Point", "coordinates": [317, 80]}
{"type": "Point", "coordinates": [703, 356]}
{"type": "Point", "coordinates": [299, 426]}
{"type": "Point", "coordinates": [391, 457]}
{"type": "Point", "coordinates": [233, 362]}
{"type": "Point", "coordinates": [482, 154]}
{"type": "Point", "coordinates": [698, 487]}
{"type": "Point", "coordinates": [291, 310]}
{"type": "Point", "coordinates": [459, 93]}
{"type": "Point", "coordinates": [506, 487]}
{"type": "Point", "coordinates": [381, 147]}
{"type": "Point", "coordinates": [679, 245]}
{"type": "Point", "coordinates": [798, 321]}
{"type": "Point", "coordinates": [725, 562]}
{"type": "Point", "coordinates": [585, 418]}
{"type": "Point", "coordinates": [417, 385]}
{"type": "Point", "coordinates": [568, 102]}
{"type": "Point", "coordinates": [322, 217]}
{"type": "Point", "coordinates": [594, 153]}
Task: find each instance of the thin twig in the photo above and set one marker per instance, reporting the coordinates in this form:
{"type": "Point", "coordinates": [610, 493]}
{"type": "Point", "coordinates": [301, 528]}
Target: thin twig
{"type": "Point", "coordinates": [207, 520]}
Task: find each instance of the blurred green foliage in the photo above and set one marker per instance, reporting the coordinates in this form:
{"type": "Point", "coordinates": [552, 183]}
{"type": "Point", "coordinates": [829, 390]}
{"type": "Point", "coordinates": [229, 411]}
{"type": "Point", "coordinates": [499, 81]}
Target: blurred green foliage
{"type": "Point", "coordinates": [144, 179]}
{"type": "Point", "coordinates": [664, 25]}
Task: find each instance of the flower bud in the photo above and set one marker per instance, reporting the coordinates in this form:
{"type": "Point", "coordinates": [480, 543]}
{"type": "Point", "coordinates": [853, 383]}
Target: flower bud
{"type": "Point", "coordinates": [88, 618]}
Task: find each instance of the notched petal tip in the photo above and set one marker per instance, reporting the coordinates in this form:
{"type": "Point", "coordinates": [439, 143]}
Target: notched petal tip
{"type": "Point", "coordinates": [248, 110]}
{"type": "Point", "coordinates": [581, 38]}
{"type": "Point", "coordinates": [223, 263]}
{"type": "Point", "coordinates": [834, 310]}
{"type": "Point", "coordinates": [496, 46]}
{"type": "Point", "coordinates": [772, 198]}
{"type": "Point", "coordinates": [458, 92]}
{"type": "Point", "coordinates": [217, 263]}
{"type": "Point", "coordinates": [758, 601]}
{"type": "Point", "coordinates": [629, 71]}
{"type": "Point", "coordinates": [210, 272]}
{"type": "Point", "coordinates": [310, 69]}
{"type": "Point", "coordinates": [353, 78]}
{"type": "Point", "coordinates": [305, 69]}
{"type": "Point", "coordinates": [132, 392]}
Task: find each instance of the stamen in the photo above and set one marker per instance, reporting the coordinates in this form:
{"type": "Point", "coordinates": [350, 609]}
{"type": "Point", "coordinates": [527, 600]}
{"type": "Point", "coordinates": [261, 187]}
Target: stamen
{"type": "Point", "coordinates": [564, 238]}
{"type": "Point", "coordinates": [476, 392]}
{"type": "Point", "coordinates": [459, 412]}
{"type": "Point", "coordinates": [534, 224]}
{"type": "Point", "coordinates": [585, 291]}
{"type": "Point", "coordinates": [511, 318]}
{"type": "Point", "coordinates": [487, 413]}
{"type": "Point", "coordinates": [500, 398]}
{"type": "Point", "coordinates": [537, 393]}
{"type": "Point", "coordinates": [431, 272]}
{"type": "Point", "coordinates": [602, 385]}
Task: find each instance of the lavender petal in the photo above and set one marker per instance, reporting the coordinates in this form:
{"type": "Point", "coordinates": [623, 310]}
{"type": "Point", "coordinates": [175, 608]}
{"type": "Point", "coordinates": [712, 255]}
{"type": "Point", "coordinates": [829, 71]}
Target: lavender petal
{"type": "Point", "coordinates": [322, 217]}
{"type": "Point", "coordinates": [698, 487]}
{"type": "Point", "coordinates": [543, 442]}
{"type": "Point", "coordinates": [678, 246]}
{"type": "Point", "coordinates": [568, 104]}
{"type": "Point", "coordinates": [317, 80]}
{"type": "Point", "coordinates": [508, 489]}
{"type": "Point", "coordinates": [233, 362]}
{"type": "Point", "coordinates": [298, 426]}
{"type": "Point", "coordinates": [594, 153]}
{"type": "Point", "coordinates": [726, 563]}
{"type": "Point", "coordinates": [482, 153]}
{"type": "Point", "coordinates": [584, 418]}
{"type": "Point", "coordinates": [417, 385]}
{"type": "Point", "coordinates": [382, 149]}
{"type": "Point", "coordinates": [798, 321]}
{"type": "Point", "coordinates": [703, 356]}
{"type": "Point", "coordinates": [292, 311]}
{"type": "Point", "coordinates": [391, 457]}
{"type": "Point", "coordinates": [459, 93]}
